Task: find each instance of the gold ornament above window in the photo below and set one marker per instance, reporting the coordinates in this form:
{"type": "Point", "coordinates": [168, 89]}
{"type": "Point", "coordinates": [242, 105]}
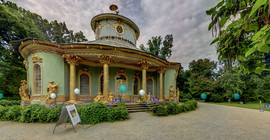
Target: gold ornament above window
{"type": "Point", "coordinates": [119, 28]}
{"type": "Point", "coordinates": [98, 29]}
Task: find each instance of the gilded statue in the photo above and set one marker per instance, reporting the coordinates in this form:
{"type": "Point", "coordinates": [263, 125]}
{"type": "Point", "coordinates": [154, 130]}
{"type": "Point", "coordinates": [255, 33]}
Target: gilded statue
{"type": "Point", "coordinates": [110, 98]}
{"type": "Point", "coordinates": [177, 94]}
{"type": "Point", "coordinates": [24, 90]}
{"type": "Point", "coordinates": [99, 97]}
{"type": "Point", "coordinates": [148, 96]}
{"type": "Point", "coordinates": [52, 88]}
{"type": "Point", "coordinates": [171, 93]}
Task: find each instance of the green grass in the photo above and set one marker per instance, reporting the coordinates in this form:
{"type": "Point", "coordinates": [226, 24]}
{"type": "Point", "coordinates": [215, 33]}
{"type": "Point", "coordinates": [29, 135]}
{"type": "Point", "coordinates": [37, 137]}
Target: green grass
{"type": "Point", "coordinates": [250, 105]}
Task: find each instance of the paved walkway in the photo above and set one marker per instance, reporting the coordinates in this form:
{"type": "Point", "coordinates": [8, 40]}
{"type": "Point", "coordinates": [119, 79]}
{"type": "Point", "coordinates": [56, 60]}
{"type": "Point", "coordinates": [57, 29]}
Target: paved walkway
{"type": "Point", "coordinates": [208, 122]}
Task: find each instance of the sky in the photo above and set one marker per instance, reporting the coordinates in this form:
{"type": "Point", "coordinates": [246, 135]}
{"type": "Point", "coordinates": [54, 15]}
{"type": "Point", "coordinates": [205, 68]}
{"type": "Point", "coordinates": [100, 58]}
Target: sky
{"type": "Point", "coordinates": [186, 20]}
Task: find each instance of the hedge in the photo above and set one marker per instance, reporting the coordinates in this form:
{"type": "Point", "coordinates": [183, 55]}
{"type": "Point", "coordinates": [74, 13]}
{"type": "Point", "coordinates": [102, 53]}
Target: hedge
{"type": "Point", "coordinates": [173, 108]}
{"type": "Point", "coordinates": [9, 102]}
{"type": "Point", "coordinates": [90, 114]}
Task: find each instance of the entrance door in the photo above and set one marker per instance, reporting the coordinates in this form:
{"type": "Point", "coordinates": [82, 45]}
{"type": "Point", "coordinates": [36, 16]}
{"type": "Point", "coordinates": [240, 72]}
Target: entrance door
{"type": "Point", "coordinates": [120, 80]}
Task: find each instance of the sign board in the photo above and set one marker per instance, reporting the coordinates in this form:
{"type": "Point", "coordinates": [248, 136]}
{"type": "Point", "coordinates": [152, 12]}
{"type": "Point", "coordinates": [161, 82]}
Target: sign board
{"type": "Point", "coordinates": [73, 114]}
{"type": "Point", "coordinates": [116, 100]}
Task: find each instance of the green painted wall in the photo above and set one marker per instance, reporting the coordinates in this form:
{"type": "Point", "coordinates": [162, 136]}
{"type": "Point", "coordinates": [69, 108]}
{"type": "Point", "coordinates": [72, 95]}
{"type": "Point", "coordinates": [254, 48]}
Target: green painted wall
{"type": "Point", "coordinates": [169, 80]}
{"type": "Point", "coordinates": [52, 68]}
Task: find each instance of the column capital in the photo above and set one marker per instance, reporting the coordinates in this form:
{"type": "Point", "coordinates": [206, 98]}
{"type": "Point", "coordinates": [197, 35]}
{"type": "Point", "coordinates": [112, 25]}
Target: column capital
{"type": "Point", "coordinates": [71, 59]}
{"type": "Point", "coordinates": [161, 69]}
{"type": "Point", "coordinates": [144, 64]}
{"type": "Point", "coordinates": [105, 59]}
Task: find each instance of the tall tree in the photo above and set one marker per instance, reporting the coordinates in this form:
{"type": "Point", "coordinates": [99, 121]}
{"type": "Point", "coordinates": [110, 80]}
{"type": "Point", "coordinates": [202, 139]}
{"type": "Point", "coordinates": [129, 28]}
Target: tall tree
{"type": "Point", "coordinates": [17, 23]}
{"type": "Point", "coordinates": [155, 48]}
{"type": "Point", "coordinates": [243, 32]}
{"type": "Point", "coordinates": [203, 67]}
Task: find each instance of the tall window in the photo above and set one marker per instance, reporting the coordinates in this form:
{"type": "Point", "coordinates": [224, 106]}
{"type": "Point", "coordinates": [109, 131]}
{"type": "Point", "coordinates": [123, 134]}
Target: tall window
{"type": "Point", "coordinates": [37, 79]}
{"type": "Point", "coordinates": [149, 86]}
{"type": "Point", "coordinates": [120, 80]}
{"type": "Point", "coordinates": [84, 84]}
{"type": "Point", "coordinates": [135, 86]}
{"type": "Point", "coordinates": [101, 84]}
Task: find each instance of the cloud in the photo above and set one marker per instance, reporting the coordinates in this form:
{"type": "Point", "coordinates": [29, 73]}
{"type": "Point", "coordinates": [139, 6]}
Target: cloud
{"type": "Point", "coordinates": [185, 19]}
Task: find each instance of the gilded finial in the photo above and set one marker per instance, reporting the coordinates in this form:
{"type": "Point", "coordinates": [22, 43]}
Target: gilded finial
{"type": "Point", "coordinates": [114, 7]}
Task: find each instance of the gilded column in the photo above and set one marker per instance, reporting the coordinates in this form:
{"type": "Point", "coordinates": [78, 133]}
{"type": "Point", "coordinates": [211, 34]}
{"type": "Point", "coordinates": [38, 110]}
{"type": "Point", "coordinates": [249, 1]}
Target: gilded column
{"type": "Point", "coordinates": [144, 66]}
{"type": "Point", "coordinates": [72, 60]}
{"type": "Point", "coordinates": [161, 70]}
{"type": "Point", "coordinates": [105, 60]}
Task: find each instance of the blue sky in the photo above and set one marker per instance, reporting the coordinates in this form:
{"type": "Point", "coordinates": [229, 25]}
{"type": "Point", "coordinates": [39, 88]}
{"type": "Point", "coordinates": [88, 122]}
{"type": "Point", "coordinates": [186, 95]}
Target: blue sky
{"type": "Point", "coordinates": [185, 19]}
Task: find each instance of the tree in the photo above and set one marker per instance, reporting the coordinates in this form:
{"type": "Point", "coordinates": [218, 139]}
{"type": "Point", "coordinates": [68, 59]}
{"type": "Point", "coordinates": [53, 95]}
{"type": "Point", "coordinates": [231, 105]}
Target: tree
{"type": "Point", "coordinates": [243, 32]}
{"type": "Point", "coordinates": [203, 67]}
{"type": "Point", "coordinates": [18, 23]}
{"type": "Point", "coordinates": [155, 48]}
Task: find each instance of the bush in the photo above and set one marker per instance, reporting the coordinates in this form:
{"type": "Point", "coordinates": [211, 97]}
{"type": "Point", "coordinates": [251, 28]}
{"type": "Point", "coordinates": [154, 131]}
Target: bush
{"type": "Point", "coordinates": [31, 113]}
{"type": "Point", "coordinates": [3, 111]}
{"type": "Point", "coordinates": [54, 113]}
{"type": "Point", "coordinates": [13, 113]}
{"type": "Point", "coordinates": [94, 113]}
{"type": "Point", "coordinates": [162, 111]}
{"type": "Point", "coordinates": [117, 113]}
{"type": "Point", "coordinates": [10, 102]}
{"type": "Point", "coordinates": [216, 98]}
{"type": "Point", "coordinates": [190, 105]}
{"type": "Point", "coordinates": [173, 108]}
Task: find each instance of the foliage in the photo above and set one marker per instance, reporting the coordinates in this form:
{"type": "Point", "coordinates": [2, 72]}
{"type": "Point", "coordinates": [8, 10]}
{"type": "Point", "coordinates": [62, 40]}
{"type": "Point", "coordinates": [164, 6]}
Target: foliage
{"type": "Point", "coordinates": [3, 111]}
{"type": "Point", "coordinates": [216, 98]}
{"type": "Point", "coordinates": [203, 67]}
{"type": "Point", "coordinates": [155, 48]}
{"type": "Point", "coordinates": [231, 83]}
{"type": "Point", "coordinates": [53, 113]}
{"type": "Point", "coordinates": [117, 113]}
{"type": "Point", "coordinates": [13, 113]}
{"type": "Point", "coordinates": [243, 32]}
{"type": "Point", "coordinates": [173, 108]}
{"type": "Point", "coordinates": [143, 101]}
{"type": "Point", "coordinates": [94, 113]}
{"type": "Point", "coordinates": [9, 102]}
{"type": "Point", "coordinates": [18, 23]}
{"type": "Point", "coordinates": [31, 113]}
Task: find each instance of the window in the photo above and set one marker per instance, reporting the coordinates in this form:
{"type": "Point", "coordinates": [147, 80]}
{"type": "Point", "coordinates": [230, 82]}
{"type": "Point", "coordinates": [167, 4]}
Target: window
{"type": "Point", "coordinates": [120, 80]}
{"type": "Point", "coordinates": [135, 86]}
{"type": "Point", "coordinates": [150, 86]}
{"type": "Point", "coordinates": [101, 84]}
{"type": "Point", "coordinates": [84, 84]}
{"type": "Point", "coordinates": [37, 79]}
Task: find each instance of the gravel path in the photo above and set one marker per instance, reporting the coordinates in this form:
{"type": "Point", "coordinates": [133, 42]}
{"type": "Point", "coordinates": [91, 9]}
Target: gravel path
{"type": "Point", "coordinates": [208, 122]}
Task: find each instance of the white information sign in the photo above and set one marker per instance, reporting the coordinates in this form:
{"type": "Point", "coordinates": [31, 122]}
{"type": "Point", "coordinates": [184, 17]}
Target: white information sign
{"type": "Point", "coordinates": [73, 114]}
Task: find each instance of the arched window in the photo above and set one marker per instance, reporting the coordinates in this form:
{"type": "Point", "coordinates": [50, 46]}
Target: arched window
{"type": "Point", "coordinates": [150, 86]}
{"type": "Point", "coordinates": [136, 85]}
{"type": "Point", "coordinates": [37, 79]}
{"type": "Point", "coordinates": [84, 84]}
{"type": "Point", "coordinates": [121, 79]}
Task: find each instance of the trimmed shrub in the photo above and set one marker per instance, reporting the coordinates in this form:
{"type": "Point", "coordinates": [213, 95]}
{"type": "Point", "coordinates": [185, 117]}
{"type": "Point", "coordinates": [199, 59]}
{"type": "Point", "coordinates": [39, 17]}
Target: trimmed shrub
{"type": "Point", "coordinates": [54, 113]}
{"type": "Point", "coordinates": [13, 113]}
{"type": "Point", "coordinates": [43, 115]}
{"type": "Point", "coordinates": [3, 111]}
{"type": "Point", "coordinates": [10, 102]}
{"type": "Point", "coordinates": [182, 108]}
{"type": "Point", "coordinates": [94, 113]}
{"type": "Point", "coordinates": [117, 113]}
{"type": "Point", "coordinates": [31, 113]}
{"type": "Point", "coordinates": [162, 111]}
{"type": "Point", "coordinates": [173, 108]}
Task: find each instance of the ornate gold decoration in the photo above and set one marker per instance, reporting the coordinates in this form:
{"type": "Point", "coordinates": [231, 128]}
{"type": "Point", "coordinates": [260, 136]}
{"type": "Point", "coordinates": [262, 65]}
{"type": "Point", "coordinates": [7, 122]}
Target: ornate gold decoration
{"type": "Point", "coordinates": [149, 96]}
{"type": "Point", "coordinates": [24, 91]}
{"type": "Point", "coordinates": [71, 59]}
{"type": "Point", "coordinates": [105, 59]}
{"type": "Point", "coordinates": [171, 93]}
{"type": "Point", "coordinates": [110, 98]}
{"type": "Point", "coordinates": [36, 59]}
{"type": "Point", "coordinates": [144, 65]}
{"type": "Point", "coordinates": [119, 28]}
{"type": "Point", "coordinates": [161, 69]}
{"type": "Point", "coordinates": [177, 94]}
{"type": "Point", "coordinates": [52, 88]}
{"type": "Point", "coordinates": [99, 97]}
{"type": "Point", "coordinates": [98, 28]}
{"type": "Point", "coordinates": [114, 7]}
{"type": "Point", "coordinates": [25, 62]}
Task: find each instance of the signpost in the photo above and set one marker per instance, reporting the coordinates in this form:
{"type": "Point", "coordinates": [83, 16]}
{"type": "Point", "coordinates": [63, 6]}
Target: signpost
{"type": "Point", "coordinates": [71, 112]}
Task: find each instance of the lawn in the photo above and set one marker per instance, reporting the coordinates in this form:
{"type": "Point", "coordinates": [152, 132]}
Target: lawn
{"type": "Point", "coordinates": [250, 105]}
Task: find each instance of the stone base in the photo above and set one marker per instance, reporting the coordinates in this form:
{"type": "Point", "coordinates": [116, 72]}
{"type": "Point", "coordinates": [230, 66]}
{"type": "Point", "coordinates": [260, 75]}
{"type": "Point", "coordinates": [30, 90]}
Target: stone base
{"type": "Point", "coordinates": [25, 103]}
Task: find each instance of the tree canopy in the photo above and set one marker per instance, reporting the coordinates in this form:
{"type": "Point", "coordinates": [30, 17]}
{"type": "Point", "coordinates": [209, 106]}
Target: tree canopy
{"type": "Point", "coordinates": [158, 48]}
{"type": "Point", "coordinates": [17, 23]}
